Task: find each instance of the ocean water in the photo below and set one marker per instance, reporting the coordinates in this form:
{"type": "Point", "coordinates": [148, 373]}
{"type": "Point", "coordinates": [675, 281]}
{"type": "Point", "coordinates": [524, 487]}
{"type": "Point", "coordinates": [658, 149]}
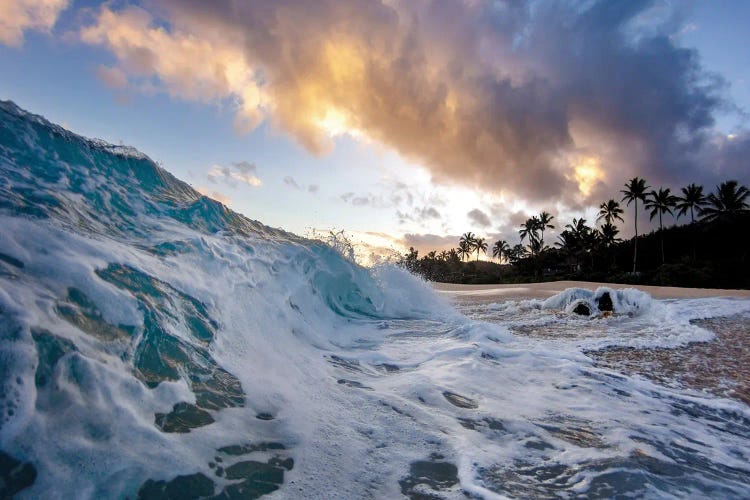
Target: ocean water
{"type": "Point", "coordinates": [154, 344]}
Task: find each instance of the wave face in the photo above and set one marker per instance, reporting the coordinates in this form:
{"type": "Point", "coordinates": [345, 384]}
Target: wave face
{"type": "Point", "coordinates": [154, 344]}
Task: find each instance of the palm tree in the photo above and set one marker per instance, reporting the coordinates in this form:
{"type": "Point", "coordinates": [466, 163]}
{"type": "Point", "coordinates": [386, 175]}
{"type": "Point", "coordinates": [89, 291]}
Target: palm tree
{"type": "Point", "coordinates": [466, 243]}
{"type": "Point", "coordinates": [544, 220]}
{"type": "Point", "coordinates": [530, 229]}
{"type": "Point", "coordinates": [500, 250]}
{"type": "Point", "coordinates": [692, 199]}
{"type": "Point", "coordinates": [576, 240]}
{"type": "Point", "coordinates": [660, 202]}
{"type": "Point", "coordinates": [730, 199]}
{"type": "Point", "coordinates": [609, 211]}
{"type": "Point", "coordinates": [480, 244]}
{"type": "Point", "coordinates": [608, 237]}
{"type": "Point", "coordinates": [608, 234]}
{"type": "Point", "coordinates": [516, 253]}
{"type": "Point", "coordinates": [635, 190]}
{"type": "Point", "coordinates": [463, 250]}
{"type": "Point", "coordinates": [453, 255]}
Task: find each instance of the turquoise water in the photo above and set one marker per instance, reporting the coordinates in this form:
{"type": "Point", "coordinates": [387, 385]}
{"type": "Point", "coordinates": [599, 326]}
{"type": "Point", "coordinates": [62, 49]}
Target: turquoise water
{"type": "Point", "coordinates": [154, 344]}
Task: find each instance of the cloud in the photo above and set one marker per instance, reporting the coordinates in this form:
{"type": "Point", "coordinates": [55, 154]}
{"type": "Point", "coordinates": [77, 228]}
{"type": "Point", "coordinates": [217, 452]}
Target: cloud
{"type": "Point", "coordinates": [427, 242]}
{"type": "Point", "coordinates": [369, 199]}
{"type": "Point", "coordinates": [544, 101]}
{"type": "Point", "coordinates": [289, 181]}
{"type": "Point", "coordinates": [215, 195]}
{"type": "Point", "coordinates": [243, 171]}
{"type": "Point", "coordinates": [508, 229]}
{"type": "Point", "coordinates": [113, 78]}
{"type": "Point", "coordinates": [419, 215]}
{"type": "Point", "coordinates": [312, 188]}
{"type": "Point", "coordinates": [187, 66]}
{"type": "Point", "coordinates": [245, 167]}
{"type": "Point", "coordinates": [17, 16]}
{"type": "Point", "coordinates": [479, 218]}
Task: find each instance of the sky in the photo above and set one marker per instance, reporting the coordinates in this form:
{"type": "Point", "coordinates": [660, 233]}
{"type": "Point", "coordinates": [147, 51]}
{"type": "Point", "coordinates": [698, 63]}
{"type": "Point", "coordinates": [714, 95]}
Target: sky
{"type": "Point", "coordinates": [404, 123]}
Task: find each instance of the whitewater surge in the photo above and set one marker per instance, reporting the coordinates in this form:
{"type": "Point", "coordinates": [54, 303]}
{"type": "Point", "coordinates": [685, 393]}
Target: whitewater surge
{"type": "Point", "coordinates": [154, 344]}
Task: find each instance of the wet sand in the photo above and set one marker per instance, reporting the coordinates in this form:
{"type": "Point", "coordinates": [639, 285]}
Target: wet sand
{"type": "Point", "coordinates": [720, 367]}
{"type": "Point", "coordinates": [544, 290]}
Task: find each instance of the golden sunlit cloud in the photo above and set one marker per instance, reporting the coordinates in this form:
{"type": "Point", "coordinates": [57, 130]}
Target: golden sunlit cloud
{"type": "Point", "coordinates": [188, 67]}
{"type": "Point", "coordinates": [19, 15]}
{"type": "Point", "coordinates": [586, 173]}
{"type": "Point", "coordinates": [335, 124]}
{"type": "Point", "coordinates": [434, 82]}
{"type": "Point", "coordinates": [364, 75]}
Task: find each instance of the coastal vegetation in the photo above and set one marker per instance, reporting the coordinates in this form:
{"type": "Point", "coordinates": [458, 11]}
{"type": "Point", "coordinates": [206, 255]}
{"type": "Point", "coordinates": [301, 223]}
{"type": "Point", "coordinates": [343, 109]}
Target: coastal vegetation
{"type": "Point", "coordinates": [708, 250]}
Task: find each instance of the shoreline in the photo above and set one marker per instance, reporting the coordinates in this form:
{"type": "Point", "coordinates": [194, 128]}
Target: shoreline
{"type": "Point", "coordinates": [547, 289]}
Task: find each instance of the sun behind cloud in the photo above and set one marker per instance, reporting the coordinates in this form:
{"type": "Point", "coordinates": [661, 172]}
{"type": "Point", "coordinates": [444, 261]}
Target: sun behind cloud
{"type": "Point", "coordinates": [587, 172]}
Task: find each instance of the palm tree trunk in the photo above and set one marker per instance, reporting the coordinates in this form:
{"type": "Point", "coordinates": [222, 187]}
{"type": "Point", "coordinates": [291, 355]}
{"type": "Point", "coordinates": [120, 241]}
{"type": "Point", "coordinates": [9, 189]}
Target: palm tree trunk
{"type": "Point", "coordinates": [661, 238]}
{"type": "Point", "coordinates": [692, 230]}
{"type": "Point", "coordinates": [635, 241]}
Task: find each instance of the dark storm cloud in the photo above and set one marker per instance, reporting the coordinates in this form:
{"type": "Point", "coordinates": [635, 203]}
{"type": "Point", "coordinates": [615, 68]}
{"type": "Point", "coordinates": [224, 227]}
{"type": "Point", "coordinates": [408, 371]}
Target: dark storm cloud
{"type": "Point", "coordinates": [505, 96]}
{"type": "Point", "coordinates": [479, 218]}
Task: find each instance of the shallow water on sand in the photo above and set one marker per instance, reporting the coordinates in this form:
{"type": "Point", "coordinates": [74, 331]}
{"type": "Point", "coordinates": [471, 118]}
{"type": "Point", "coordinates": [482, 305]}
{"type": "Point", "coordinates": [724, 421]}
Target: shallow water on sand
{"type": "Point", "coordinates": [720, 366]}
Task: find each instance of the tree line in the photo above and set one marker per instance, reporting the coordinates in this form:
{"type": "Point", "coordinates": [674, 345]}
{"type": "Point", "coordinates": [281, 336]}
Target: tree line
{"type": "Point", "coordinates": [581, 247]}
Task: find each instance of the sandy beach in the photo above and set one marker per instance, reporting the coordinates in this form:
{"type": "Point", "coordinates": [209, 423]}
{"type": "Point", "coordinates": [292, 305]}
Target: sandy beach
{"type": "Point", "coordinates": [547, 289]}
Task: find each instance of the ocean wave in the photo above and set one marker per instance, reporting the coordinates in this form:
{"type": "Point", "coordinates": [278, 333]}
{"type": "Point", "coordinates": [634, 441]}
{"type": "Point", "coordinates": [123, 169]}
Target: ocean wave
{"type": "Point", "coordinates": [155, 344]}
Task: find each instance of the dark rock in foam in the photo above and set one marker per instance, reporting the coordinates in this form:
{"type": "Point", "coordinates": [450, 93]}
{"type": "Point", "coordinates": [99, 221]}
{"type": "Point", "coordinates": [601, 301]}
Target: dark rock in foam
{"type": "Point", "coordinates": [14, 475]}
{"type": "Point", "coordinates": [582, 309]}
{"type": "Point", "coordinates": [604, 303]}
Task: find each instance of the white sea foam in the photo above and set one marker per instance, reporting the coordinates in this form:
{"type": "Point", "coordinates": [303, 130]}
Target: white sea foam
{"type": "Point", "coordinates": [374, 384]}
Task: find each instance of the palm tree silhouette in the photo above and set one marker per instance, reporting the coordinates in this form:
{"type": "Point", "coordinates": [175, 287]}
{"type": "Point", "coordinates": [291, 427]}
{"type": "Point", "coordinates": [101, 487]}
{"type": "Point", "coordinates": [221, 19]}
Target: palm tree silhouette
{"type": "Point", "coordinates": [576, 240]}
{"type": "Point", "coordinates": [692, 199]}
{"type": "Point", "coordinates": [453, 255]}
{"type": "Point", "coordinates": [467, 242]}
{"type": "Point", "coordinates": [464, 249]}
{"type": "Point", "coordinates": [500, 250]}
{"type": "Point", "coordinates": [608, 237]}
{"type": "Point", "coordinates": [544, 220]}
{"type": "Point", "coordinates": [660, 202]}
{"type": "Point", "coordinates": [608, 234]}
{"type": "Point", "coordinates": [530, 229]}
{"type": "Point", "coordinates": [516, 253]}
{"type": "Point", "coordinates": [730, 199]}
{"type": "Point", "coordinates": [480, 244]}
{"type": "Point", "coordinates": [609, 211]}
{"type": "Point", "coordinates": [635, 190]}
